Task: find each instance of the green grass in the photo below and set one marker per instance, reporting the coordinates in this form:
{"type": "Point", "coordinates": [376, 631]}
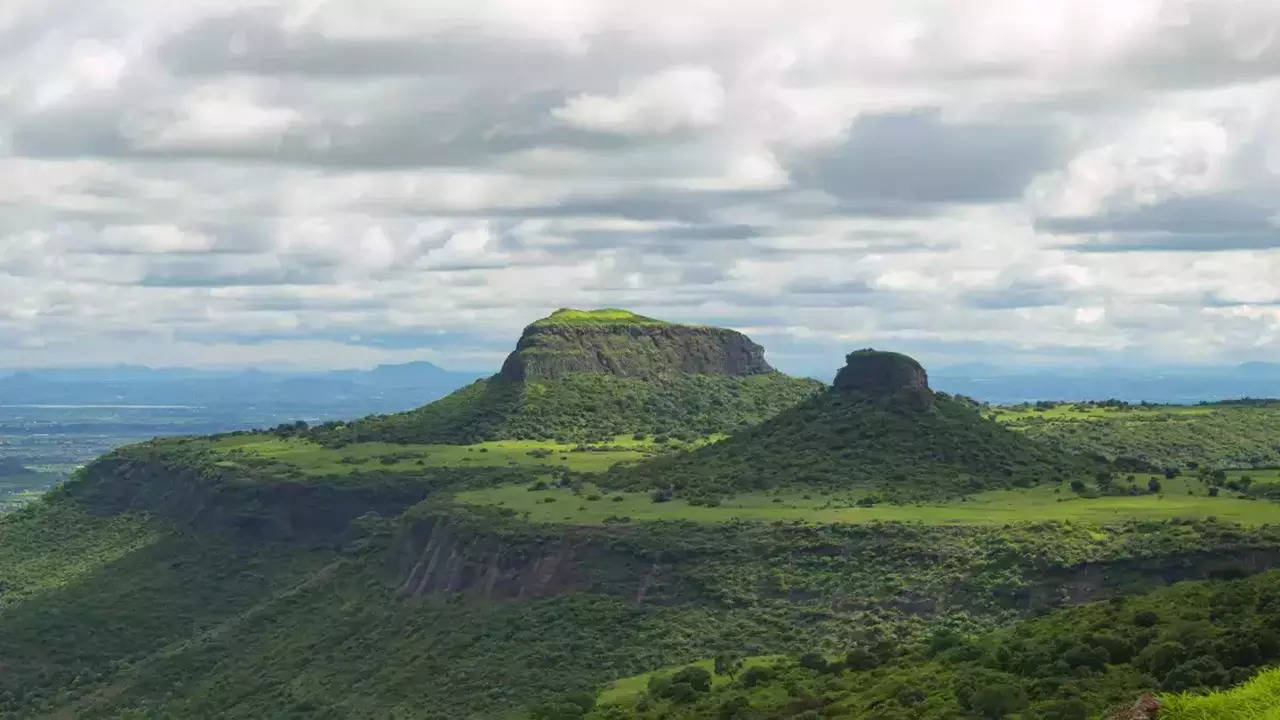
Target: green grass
{"type": "Point", "coordinates": [317, 460]}
{"type": "Point", "coordinates": [626, 690]}
{"type": "Point", "coordinates": [1085, 411]}
{"type": "Point", "coordinates": [1223, 435]}
{"type": "Point", "coordinates": [1258, 699]}
{"type": "Point", "coordinates": [603, 316]}
{"type": "Point", "coordinates": [998, 507]}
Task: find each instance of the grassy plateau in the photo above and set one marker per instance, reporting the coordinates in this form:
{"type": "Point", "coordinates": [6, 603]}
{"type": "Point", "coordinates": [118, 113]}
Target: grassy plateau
{"type": "Point", "coordinates": [1180, 499]}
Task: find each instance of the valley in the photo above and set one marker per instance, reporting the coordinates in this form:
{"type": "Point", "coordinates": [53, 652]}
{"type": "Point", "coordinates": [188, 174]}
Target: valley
{"type": "Point", "coordinates": [628, 498]}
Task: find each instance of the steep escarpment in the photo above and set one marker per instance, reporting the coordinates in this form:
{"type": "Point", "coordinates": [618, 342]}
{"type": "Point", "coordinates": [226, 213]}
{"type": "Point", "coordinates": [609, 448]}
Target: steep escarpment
{"type": "Point", "coordinates": [593, 375]}
{"type": "Point", "coordinates": [180, 479]}
{"type": "Point", "coordinates": [879, 430]}
{"type": "Point", "coordinates": [436, 555]}
{"type": "Point", "coordinates": [625, 345]}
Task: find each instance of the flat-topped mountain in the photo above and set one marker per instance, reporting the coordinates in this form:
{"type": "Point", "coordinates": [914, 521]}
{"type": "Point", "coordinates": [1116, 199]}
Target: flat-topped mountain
{"type": "Point", "coordinates": [591, 375]}
{"type": "Point", "coordinates": [621, 343]}
{"type": "Point", "coordinates": [878, 429]}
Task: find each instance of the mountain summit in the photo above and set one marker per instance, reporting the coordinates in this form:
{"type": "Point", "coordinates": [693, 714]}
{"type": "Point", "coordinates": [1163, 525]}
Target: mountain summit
{"type": "Point", "coordinates": [592, 375]}
{"type": "Point", "coordinates": [621, 343]}
{"type": "Point", "coordinates": [881, 373]}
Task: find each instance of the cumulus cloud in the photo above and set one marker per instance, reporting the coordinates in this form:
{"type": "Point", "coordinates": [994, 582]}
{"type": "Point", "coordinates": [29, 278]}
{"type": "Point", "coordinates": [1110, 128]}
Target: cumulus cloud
{"type": "Point", "coordinates": [678, 98]}
{"type": "Point", "coordinates": [348, 182]}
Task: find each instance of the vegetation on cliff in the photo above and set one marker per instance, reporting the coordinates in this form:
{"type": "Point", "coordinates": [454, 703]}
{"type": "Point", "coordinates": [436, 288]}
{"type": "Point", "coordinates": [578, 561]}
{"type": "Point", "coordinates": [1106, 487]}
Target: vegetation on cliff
{"type": "Point", "coordinates": [584, 407]}
{"type": "Point", "coordinates": [615, 342]}
{"type": "Point", "coordinates": [603, 316]}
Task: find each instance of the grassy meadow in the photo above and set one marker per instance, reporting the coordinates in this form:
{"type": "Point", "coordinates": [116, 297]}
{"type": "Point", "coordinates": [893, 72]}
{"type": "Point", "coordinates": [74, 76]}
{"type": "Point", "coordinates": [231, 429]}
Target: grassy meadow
{"type": "Point", "coordinates": [317, 460]}
{"type": "Point", "coordinates": [1183, 498]}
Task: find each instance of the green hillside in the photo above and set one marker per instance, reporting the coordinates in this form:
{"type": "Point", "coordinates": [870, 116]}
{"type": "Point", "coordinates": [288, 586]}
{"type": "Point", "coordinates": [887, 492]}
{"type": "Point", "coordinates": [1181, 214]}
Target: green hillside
{"type": "Point", "coordinates": [583, 408]}
{"type": "Point", "coordinates": [879, 445]}
{"type": "Point", "coordinates": [1069, 665]}
{"type": "Point", "coordinates": [211, 623]}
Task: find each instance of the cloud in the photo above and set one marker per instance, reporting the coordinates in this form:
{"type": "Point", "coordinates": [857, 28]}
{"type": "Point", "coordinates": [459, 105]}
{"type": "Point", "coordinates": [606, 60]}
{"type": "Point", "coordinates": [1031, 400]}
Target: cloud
{"type": "Point", "coordinates": [678, 98]}
{"type": "Point", "coordinates": [920, 158]}
{"type": "Point", "coordinates": [355, 182]}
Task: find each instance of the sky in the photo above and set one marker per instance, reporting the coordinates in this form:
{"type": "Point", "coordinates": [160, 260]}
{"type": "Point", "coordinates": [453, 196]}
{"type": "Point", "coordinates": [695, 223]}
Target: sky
{"type": "Point", "coordinates": [339, 184]}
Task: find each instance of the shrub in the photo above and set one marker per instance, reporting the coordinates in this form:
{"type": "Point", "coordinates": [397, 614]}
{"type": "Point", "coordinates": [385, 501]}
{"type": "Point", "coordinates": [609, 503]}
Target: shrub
{"type": "Point", "coordinates": [755, 675]}
{"type": "Point", "coordinates": [1145, 618]}
{"type": "Point", "coordinates": [996, 701]}
{"type": "Point", "coordinates": [814, 661]}
{"type": "Point", "coordinates": [860, 658]}
{"type": "Point", "coordinates": [693, 676]}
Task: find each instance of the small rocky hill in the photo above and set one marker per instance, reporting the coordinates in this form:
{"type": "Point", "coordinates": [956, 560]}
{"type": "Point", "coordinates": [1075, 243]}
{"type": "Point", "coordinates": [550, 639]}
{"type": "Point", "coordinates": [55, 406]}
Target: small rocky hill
{"type": "Point", "coordinates": [591, 375]}
{"type": "Point", "coordinates": [881, 373]}
{"type": "Point", "coordinates": [878, 429]}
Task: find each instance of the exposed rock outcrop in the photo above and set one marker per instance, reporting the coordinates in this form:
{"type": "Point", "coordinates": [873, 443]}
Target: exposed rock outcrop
{"type": "Point", "coordinates": [548, 350]}
{"type": "Point", "coordinates": [439, 557]}
{"type": "Point", "coordinates": [1147, 707]}
{"type": "Point", "coordinates": [881, 373]}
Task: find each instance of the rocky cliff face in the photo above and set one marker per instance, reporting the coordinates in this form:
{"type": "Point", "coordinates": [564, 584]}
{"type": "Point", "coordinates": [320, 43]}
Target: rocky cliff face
{"type": "Point", "coordinates": [439, 557]}
{"type": "Point", "coordinates": [549, 350]}
{"type": "Point", "coordinates": [881, 373]}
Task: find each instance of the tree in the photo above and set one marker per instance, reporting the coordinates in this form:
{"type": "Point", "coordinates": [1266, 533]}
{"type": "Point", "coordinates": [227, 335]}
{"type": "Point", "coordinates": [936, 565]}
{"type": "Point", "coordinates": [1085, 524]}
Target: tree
{"type": "Point", "coordinates": [755, 675]}
{"type": "Point", "coordinates": [1160, 658]}
{"type": "Point", "coordinates": [732, 707]}
{"type": "Point", "coordinates": [681, 693]}
{"type": "Point", "coordinates": [571, 706]}
{"type": "Point", "coordinates": [814, 661]}
{"type": "Point", "coordinates": [1077, 486]}
{"type": "Point", "coordinates": [695, 677]}
{"type": "Point", "coordinates": [1087, 656]}
{"type": "Point", "coordinates": [728, 663]}
{"type": "Point", "coordinates": [1105, 481]}
{"type": "Point", "coordinates": [996, 701]}
{"type": "Point", "coordinates": [1153, 485]}
{"type": "Point", "coordinates": [860, 658]}
{"type": "Point", "coordinates": [1145, 618]}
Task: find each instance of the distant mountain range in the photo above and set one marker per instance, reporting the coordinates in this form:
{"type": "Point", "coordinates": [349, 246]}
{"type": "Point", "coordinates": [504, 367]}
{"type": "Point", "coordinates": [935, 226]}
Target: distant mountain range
{"type": "Point", "coordinates": [391, 388]}
{"type": "Point", "coordinates": [1187, 384]}
{"type": "Point", "coordinates": [385, 388]}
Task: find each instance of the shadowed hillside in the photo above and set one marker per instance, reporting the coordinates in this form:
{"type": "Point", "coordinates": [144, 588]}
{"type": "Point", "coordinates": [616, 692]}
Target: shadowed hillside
{"type": "Point", "coordinates": [879, 428]}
